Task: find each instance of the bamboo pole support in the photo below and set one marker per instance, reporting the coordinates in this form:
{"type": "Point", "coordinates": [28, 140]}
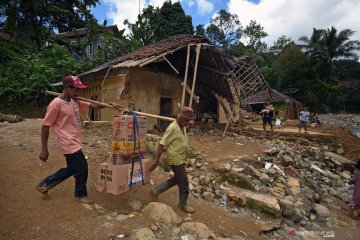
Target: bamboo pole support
{"type": "Point", "coordinates": [230, 120]}
{"type": "Point", "coordinates": [198, 49]}
{"type": "Point", "coordinates": [121, 108]}
{"type": "Point", "coordinates": [186, 76]}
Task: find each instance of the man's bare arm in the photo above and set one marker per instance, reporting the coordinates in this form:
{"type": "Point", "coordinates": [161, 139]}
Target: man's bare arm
{"type": "Point", "coordinates": [44, 153]}
{"type": "Point", "coordinates": [159, 151]}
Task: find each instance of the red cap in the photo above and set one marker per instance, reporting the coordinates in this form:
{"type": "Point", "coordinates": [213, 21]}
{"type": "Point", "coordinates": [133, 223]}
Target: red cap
{"type": "Point", "coordinates": [73, 80]}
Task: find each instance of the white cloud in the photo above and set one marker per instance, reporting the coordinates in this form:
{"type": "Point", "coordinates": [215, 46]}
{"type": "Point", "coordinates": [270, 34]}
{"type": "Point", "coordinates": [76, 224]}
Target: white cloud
{"type": "Point", "coordinates": [191, 3]}
{"type": "Point", "coordinates": [296, 18]}
{"type": "Point", "coordinates": [204, 6]}
{"type": "Point", "coordinates": [128, 9]}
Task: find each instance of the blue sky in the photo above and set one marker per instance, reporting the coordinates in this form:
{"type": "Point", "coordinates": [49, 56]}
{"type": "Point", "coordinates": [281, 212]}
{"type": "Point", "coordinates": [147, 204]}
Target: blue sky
{"type": "Point", "coordinates": [101, 10]}
{"type": "Point", "coordinates": [293, 18]}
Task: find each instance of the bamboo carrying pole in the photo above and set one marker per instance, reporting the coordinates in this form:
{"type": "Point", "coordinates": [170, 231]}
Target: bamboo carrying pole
{"type": "Point", "coordinates": [110, 106]}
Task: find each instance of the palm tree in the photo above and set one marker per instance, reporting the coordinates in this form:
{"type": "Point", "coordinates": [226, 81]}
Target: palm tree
{"type": "Point", "coordinates": [327, 45]}
{"type": "Point", "coordinates": [313, 45]}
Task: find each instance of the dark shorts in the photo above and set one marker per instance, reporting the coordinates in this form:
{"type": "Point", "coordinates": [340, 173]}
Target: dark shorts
{"type": "Point", "coordinates": [267, 120]}
{"type": "Point", "coordinates": [303, 124]}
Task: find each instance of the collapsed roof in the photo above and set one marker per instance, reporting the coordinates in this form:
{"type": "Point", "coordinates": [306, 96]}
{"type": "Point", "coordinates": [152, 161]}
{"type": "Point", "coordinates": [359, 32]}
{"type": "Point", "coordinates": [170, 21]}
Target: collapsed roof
{"type": "Point", "coordinates": [222, 74]}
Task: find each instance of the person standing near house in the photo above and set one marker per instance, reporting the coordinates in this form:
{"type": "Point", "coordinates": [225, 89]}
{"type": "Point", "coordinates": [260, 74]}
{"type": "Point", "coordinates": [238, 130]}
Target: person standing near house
{"type": "Point", "coordinates": [174, 142]}
{"type": "Point", "coordinates": [303, 119]}
{"type": "Point", "coordinates": [63, 116]}
{"type": "Point", "coordinates": [268, 113]}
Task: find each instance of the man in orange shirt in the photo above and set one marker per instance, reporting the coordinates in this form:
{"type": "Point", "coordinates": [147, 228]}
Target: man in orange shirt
{"type": "Point", "coordinates": [63, 116]}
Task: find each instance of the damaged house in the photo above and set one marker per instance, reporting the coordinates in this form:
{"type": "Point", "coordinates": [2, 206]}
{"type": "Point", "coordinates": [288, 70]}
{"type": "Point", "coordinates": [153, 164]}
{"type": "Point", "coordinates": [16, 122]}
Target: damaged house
{"type": "Point", "coordinates": [151, 80]}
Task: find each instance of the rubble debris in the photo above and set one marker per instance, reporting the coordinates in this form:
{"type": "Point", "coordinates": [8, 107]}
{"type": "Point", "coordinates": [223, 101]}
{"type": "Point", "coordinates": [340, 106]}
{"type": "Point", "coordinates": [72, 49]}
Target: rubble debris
{"type": "Point", "coordinates": [337, 159]}
{"type": "Point", "coordinates": [10, 118]}
{"type": "Point", "coordinates": [350, 121]}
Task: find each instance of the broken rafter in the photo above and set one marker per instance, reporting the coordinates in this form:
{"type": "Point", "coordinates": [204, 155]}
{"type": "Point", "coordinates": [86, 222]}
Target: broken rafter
{"type": "Point", "coordinates": [159, 56]}
{"type": "Point", "coordinates": [215, 71]}
{"type": "Point", "coordinates": [171, 65]}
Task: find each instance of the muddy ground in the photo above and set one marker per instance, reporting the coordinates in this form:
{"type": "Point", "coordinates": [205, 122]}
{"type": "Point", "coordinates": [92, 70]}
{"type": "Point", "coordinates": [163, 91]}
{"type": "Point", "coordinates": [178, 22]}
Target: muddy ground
{"type": "Point", "coordinates": [24, 215]}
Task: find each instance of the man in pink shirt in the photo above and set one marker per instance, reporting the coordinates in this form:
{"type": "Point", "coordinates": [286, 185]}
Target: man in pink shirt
{"type": "Point", "coordinates": [63, 116]}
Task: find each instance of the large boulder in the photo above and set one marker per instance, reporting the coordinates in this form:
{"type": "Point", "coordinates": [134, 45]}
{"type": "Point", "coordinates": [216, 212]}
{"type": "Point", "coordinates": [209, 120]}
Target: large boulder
{"type": "Point", "coordinates": [143, 234]}
{"type": "Point", "coordinates": [320, 210]}
{"type": "Point", "coordinates": [162, 213]}
{"type": "Point", "coordinates": [199, 229]}
{"type": "Point", "coordinates": [337, 159]}
{"type": "Point", "coordinates": [257, 201]}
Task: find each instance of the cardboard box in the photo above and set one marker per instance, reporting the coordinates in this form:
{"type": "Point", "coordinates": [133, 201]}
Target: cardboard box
{"type": "Point", "coordinates": [119, 159]}
{"type": "Point", "coordinates": [123, 128]}
{"type": "Point", "coordinates": [115, 179]}
{"type": "Point", "coordinates": [127, 148]}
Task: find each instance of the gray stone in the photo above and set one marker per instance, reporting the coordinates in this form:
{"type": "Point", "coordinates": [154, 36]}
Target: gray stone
{"type": "Point", "coordinates": [121, 217]}
{"type": "Point", "coordinates": [199, 229]}
{"type": "Point", "coordinates": [345, 197]}
{"type": "Point", "coordinates": [316, 176]}
{"type": "Point", "coordinates": [162, 213]}
{"type": "Point", "coordinates": [286, 160]}
{"type": "Point", "coordinates": [340, 151]}
{"type": "Point", "coordinates": [236, 237]}
{"type": "Point", "coordinates": [154, 228]}
{"type": "Point", "coordinates": [320, 210]}
{"type": "Point", "coordinates": [208, 196]}
{"type": "Point", "coordinates": [143, 234]}
{"type": "Point", "coordinates": [108, 225]}
{"type": "Point", "coordinates": [135, 204]}
{"type": "Point", "coordinates": [207, 180]}
{"type": "Point", "coordinates": [337, 159]}
{"type": "Point", "coordinates": [346, 175]}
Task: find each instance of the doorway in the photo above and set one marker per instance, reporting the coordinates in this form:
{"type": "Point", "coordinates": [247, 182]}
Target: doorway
{"type": "Point", "coordinates": [165, 110]}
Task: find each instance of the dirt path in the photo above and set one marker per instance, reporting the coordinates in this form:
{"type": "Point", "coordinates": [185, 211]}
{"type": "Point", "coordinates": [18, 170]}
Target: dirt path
{"type": "Point", "coordinates": [220, 149]}
{"type": "Point", "coordinates": [24, 215]}
{"type": "Point", "coordinates": [289, 129]}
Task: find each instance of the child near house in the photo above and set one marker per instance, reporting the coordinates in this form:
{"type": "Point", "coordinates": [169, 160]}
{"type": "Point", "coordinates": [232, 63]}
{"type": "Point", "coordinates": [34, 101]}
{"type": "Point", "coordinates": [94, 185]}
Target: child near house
{"type": "Point", "coordinates": [303, 119]}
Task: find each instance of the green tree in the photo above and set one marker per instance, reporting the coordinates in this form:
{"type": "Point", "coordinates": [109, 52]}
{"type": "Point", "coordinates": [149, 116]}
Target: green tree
{"type": "Point", "coordinates": [327, 45]}
{"type": "Point", "coordinates": [292, 67]}
{"type": "Point", "coordinates": [224, 29]}
{"type": "Point", "coordinates": [173, 21]}
{"type": "Point", "coordinates": [200, 30]}
{"type": "Point", "coordinates": [26, 74]}
{"type": "Point", "coordinates": [144, 29]}
{"type": "Point", "coordinates": [34, 21]}
{"type": "Point", "coordinates": [255, 33]}
{"type": "Point", "coordinates": [112, 47]}
{"type": "Point", "coordinates": [155, 24]}
{"type": "Point", "coordinates": [280, 44]}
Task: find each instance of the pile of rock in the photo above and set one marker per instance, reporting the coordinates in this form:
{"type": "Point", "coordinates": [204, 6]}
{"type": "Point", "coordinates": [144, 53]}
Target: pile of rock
{"type": "Point", "coordinates": [349, 121]}
{"type": "Point", "coordinates": [168, 225]}
{"type": "Point", "coordinates": [10, 118]}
